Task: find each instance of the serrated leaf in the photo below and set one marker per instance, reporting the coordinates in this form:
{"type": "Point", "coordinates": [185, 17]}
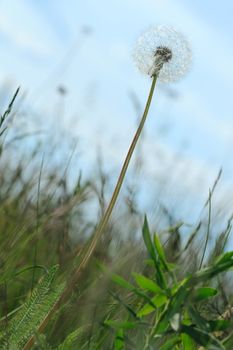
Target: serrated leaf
{"type": "Point", "coordinates": [35, 309]}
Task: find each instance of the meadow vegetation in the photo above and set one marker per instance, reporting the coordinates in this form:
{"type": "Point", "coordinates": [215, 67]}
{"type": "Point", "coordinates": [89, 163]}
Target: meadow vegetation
{"type": "Point", "coordinates": [153, 291]}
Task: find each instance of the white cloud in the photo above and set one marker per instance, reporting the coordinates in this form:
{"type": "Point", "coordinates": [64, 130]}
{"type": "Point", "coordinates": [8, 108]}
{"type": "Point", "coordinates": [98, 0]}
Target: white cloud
{"type": "Point", "coordinates": [105, 58]}
{"type": "Point", "coordinates": [22, 29]}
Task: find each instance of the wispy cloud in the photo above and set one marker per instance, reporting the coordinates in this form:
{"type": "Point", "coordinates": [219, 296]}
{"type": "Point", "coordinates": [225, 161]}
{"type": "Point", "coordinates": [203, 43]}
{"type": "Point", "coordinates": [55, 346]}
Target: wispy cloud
{"type": "Point", "coordinates": [24, 30]}
{"type": "Point", "coordinates": [202, 113]}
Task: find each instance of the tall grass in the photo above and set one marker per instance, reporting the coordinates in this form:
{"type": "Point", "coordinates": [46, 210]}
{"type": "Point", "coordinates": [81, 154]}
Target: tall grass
{"type": "Point", "coordinates": [157, 292]}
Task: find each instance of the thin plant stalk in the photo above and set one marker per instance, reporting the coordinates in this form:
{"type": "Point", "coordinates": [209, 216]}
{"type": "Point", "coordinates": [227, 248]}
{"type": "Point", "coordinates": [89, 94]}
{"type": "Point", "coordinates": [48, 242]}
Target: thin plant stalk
{"type": "Point", "coordinates": [208, 231]}
{"type": "Point", "coordinates": [37, 224]}
{"type": "Point", "coordinates": [103, 223]}
{"type": "Point", "coordinates": [86, 256]}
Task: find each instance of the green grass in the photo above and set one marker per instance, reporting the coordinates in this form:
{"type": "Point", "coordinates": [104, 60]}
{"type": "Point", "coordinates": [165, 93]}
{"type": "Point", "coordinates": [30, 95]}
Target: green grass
{"type": "Point", "coordinates": [157, 292]}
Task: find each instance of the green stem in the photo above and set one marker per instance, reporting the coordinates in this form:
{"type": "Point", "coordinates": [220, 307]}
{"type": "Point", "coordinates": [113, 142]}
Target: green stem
{"type": "Point", "coordinates": [208, 230]}
{"type": "Point", "coordinates": [103, 223]}
{"type": "Point", "coordinates": [105, 219]}
{"type": "Point", "coordinates": [150, 334]}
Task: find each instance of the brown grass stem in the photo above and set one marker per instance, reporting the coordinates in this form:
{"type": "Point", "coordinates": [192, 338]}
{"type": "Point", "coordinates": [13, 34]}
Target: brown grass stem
{"type": "Point", "coordinates": [86, 256]}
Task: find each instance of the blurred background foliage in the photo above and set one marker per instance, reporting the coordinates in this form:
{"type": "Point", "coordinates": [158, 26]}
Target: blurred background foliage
{"type": "Point", "coordinates": [47, 215]}
{"type": "Point", "coordinates": [63, 142]}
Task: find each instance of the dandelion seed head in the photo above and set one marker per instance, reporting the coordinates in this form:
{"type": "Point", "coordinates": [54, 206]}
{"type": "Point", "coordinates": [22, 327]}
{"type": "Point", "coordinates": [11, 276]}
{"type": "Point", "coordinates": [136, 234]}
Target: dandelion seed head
{"type": "Point", "coordinates": [164, 52]}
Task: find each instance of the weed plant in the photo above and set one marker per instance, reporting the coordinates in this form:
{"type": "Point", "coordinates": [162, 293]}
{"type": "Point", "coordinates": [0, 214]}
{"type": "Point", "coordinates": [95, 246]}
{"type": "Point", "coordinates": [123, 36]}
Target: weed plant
{"type": "Point", "coordinates": [107, 289]}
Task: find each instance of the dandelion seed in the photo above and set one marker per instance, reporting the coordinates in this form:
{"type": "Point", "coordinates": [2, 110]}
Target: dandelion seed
{"type": "Point", "coordinates": [164, 52]}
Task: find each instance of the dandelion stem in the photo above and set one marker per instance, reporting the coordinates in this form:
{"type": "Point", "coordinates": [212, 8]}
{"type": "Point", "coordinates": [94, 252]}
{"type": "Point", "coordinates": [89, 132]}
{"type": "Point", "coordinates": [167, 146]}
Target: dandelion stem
{"type": "Point", "coordinates": [86, 256]}
{"type": "Point", "coordinates": [103, 223]}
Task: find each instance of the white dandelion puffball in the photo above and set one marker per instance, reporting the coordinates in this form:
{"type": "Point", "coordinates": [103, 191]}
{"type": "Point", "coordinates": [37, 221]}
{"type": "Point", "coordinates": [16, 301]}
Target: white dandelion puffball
{"type": "Point", "coordinates": [164, 52]}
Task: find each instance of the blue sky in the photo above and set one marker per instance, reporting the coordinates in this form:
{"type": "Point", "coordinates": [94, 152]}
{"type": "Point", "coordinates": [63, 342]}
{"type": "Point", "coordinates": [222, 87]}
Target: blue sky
{"type": "Point", "coordinates": [86, 46]}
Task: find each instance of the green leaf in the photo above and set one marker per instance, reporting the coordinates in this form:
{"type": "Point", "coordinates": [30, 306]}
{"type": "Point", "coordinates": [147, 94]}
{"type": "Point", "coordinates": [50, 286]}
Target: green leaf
{"type": "Point", "coordinates": [71, 339]}
{"type": "Point", "coordinates": [120, 324]}
{"type": "Point", "coordinates": [34, 311]}
{"type": "Point", "coordinates": [160, 278]}
{"type": "Point", "coordinates": [122, 282]}
{"type": "Point", "coordinates": [228, 342]}
{"type": "Point", "coordinates": [148, 241]}
{"type": "Point", "coordinates": [158, 301]}
{"type": "Point", "coordinates": [204, 293]}
{"type": "Point", "coordinates": [185, 283]}
{"type": "Point", "coordinates": [145, 310]}
{"type": "Point", "coordinates": [146, 283]}
{"type": "Point", "coordinates": [225, 257]}
{"type": "Point", "coordinates": [198, 320]}
{"type": "Point", "coordinates": [220, 325]}
{"type": "Point", "coordinates": [222, 264]}
{"type": "Point", "coordinates": [7, 277]}
{"type": "Point", "coordinates": [202, 338]}
{"type": "Point", "coordinates": [119, 340]}
{"type": "Point", "coordinates": [41, 342]}
{"type": "Point", "coordinates": [169, 345]}
{"type": "Point", "coordinates": [177, 301]}
{"type": "Point", "coordinates": [160, 252]}
{"type": "Point", "coordinates": [124, 304]}
{"type": "Point", "coordinates": [149, 262]}
{"type": "Point", "coordinates": [187, 342]}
